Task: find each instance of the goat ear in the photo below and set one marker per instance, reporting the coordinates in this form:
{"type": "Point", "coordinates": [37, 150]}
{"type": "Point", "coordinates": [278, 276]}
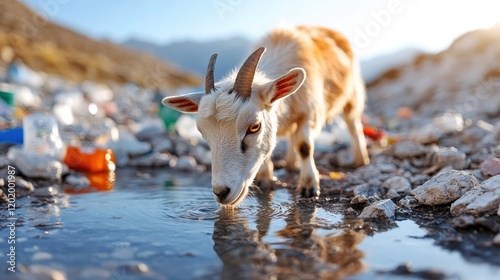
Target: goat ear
{"type": "Point", "coordinates": [184, 103]}
{"type": "Point", "coordinates": [284, 85]}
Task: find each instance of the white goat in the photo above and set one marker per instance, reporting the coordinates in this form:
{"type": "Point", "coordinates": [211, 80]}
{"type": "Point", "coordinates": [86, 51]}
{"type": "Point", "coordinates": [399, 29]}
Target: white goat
{"type": "Point", "coordinates": [241, 115]}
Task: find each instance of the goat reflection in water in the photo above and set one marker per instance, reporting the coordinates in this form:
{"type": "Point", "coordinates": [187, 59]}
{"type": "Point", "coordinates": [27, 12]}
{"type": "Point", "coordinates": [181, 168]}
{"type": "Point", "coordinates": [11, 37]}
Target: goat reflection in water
{"type": "Point", "coordinates": [302, 255]}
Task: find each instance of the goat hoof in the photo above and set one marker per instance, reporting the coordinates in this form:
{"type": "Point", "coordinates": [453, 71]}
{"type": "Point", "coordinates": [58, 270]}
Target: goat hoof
{"type": "Point", "coordinates": [309, 192]}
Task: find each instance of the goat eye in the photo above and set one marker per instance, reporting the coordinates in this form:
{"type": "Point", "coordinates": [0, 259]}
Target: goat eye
{"type": "Point", "coordinates": [253, 128]}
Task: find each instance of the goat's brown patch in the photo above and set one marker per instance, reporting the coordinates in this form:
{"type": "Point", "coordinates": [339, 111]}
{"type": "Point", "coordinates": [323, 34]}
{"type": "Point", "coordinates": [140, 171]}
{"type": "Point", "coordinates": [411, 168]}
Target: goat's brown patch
{"type": "Point", "coordinates": [304, 150]}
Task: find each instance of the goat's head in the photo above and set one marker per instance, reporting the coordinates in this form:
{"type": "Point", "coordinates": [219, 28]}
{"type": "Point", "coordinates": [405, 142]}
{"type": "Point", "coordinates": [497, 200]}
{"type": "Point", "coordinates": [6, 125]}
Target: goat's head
{"type": "Point", "coordinates": [237, 118]}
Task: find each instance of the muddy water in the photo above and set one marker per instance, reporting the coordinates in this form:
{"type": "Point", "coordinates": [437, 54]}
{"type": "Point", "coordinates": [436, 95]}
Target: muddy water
{"type": "Point", "coordinates": [160, 225]}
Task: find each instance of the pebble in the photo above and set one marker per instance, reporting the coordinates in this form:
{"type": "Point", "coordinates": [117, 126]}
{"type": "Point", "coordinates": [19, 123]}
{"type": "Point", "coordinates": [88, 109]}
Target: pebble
{"type": "Point", "coordinates": [490, 166]}
{"type": "Point", "coordinates": [359, 199]}
{"type": "Point", "coordinates": [451, 157]}
{"type": "Point", "coordinates": [24, 185]}
{"type": "Point", "coordinates": [496, 240]}
{"type": "Point", "coordinates": [4, 161]}
{"type": "Point", "coordinates": [46, 192]}
{"type": "Point", "coordinates": [408, 149]}
{"type": "Point", "coordinates": [408, 202]}
{"type": "Point", "coordinates": [399, 184]}
{"type": "Point", "coordinates": [482, 200]}
{"type": "Point", "coordinates": [41, 272]}
{"type": "Point", "coordinates": [383, 209]}
{"type": "Point", "coordinates": [154, 159]}
{"type": "Point", "coordinates": [392, 194]}
{"type": "Point", "coordinates": [186, 164]}
{"type": "Point", "coordinates": [445, 187]}
{"type": "Point", "coordinates": [426, 134]}
{"type": "Point", "coordinates": [41, 256]}
{"type": "Point", "coordinates": [3, 197]}
{"type": "Point", "coordinates": [77, 180]}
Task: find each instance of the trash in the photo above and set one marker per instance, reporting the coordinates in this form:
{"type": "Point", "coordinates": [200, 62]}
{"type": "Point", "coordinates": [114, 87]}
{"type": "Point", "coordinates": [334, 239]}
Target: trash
{"type": "Point", "coordinates": [374, 133]}
{"type": "Point", "coordinates": [12, 135]}
{"type": "Point", "coordinates": [168, 116]}
{"type": "Point", "coordinates": [41, 135]}
{"type": "Point", "coordinates": [90, 159]}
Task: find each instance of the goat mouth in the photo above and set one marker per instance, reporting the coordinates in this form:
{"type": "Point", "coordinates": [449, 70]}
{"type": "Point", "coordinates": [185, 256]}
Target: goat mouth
{"type": "Point", "coordinates": [241, 196]}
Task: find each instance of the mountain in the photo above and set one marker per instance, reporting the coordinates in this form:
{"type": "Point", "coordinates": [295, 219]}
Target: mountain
{"type": "Point", "coordinates": [194, 56]}
{"type": "Point", "coordinates": [464, 78]}
{"type": "Point", "coordinates": [371, 69]}
{"type": "Point", "coordinates": [47, 47]}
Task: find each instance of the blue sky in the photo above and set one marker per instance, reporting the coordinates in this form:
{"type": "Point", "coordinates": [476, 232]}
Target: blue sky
{"type": "Point", "coordinates": [374, 26]}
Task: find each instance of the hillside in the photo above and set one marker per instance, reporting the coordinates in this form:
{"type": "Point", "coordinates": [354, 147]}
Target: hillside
{"type": "Point", "coordinates": [465, 78]}
{"type": "Point", "coordinates": [48, 47]}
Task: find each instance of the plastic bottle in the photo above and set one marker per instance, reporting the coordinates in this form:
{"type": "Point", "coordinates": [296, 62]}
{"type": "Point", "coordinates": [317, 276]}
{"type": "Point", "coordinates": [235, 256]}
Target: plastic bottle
{"type": "Point", "coordinates": [41, 135]}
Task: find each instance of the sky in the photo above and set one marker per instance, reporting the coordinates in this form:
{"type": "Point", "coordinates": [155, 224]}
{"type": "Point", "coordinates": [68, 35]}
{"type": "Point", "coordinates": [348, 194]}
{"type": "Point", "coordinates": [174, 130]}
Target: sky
{"type": "Point", "coordinates": [374, 27]}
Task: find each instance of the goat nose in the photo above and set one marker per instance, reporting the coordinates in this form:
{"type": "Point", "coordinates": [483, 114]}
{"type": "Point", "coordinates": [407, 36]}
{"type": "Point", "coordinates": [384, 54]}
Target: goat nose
{"type": "Point", "coordinates": [221, 192]}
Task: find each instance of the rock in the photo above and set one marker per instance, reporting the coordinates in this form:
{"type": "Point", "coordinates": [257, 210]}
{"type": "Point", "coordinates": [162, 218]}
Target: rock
{"type": "Point", "coordinates": [365, 189]}
{"type": "Point", "coordinates": [490, 167]}
{"type": "Point", "coordinates": [46, 192]}
{"type": "Point", "coordinates": [342, 158]}
{"type": "Point", "coordinates": [3, 197]}
{"type": "Point", "coordinates": [408, 149]}
{"type": "Point", "coordinates": [496, 240]}
{"type": "Point", "coordinates": [496, 151]}
{"type": "Point", "coordinates": [392, 194]}
{"type": "Point", "coordinates": [186, 163]}
{"type": "Point", "coordinates": [449, 123]}
{"type": "Point", "coordinates": [481, 200]}
{"type": "Point", "coordinates": [399, 184]}
{"type": "Point", "coordinates": [426, 134]}
{"type": "Point", "coordinates": [154, 159]}
{"type": "Point", "coordinates": [359, 199]}
{"type": "Point", "coordinates": [162, 145]}
{"type": "Point", "coordinates": [77, 180]}
{"type": "Point", "coordinates": [451, 157]}
{"type": "Point", "coordinates": [4, 161]}
{"type": "Point", "coordinates": [351, 212]}
{"type": "Point", "coordinates": [408, 202]}
{"type": "Point", "coordinates": [35, 165]}
{"type": "Point", "coordinates": [463, 221]}
{"type": "Point", "coordinates": [40, 272]}
{"type": "Point", "coordinates": [445, 187]}
{"type": "Point", "coordinates": [419, 179]}
{"type": "Point", "coordinates": [383, 209]}
{"type": "Point", "coordinates": [24, 185]}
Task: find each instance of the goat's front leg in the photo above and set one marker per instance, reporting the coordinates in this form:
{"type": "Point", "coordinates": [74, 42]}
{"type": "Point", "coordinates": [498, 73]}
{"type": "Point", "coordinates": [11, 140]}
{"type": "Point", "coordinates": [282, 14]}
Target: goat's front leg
{"type": "Point", "coordinates": [265, 175]}
{"type": "Point", "coordinates": [309, 175]}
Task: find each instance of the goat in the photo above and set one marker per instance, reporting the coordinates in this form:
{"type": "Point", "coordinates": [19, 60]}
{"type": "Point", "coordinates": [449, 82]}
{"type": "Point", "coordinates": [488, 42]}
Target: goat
{"type": "Point", "coordinates": [241, 116]}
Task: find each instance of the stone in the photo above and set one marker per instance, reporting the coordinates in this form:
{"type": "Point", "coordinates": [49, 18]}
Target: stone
{"type": "Point", "coordinates": [4, 161]}
{"type": "Point", "coordinates": [77, 180]}
{"type": "Point", "coordinates": [490, 167]}
{"type": "Point", "coordinates": [496, 240]}
{"type": "Point", "coordinates": [154, 159]}
{"type": "Point", "coordinates": [383, 209]}
{"type": "Point", "coordinates": [162, 145]}
{"type": "Point", "coordinates": [202, 155]}
{"type": "Point", "coordinates": [451, 157]}
{"type": "Point", "coordinates": [392, 194]}
{"type": "Point", "coordinates": [408, 202]}
{"type": "Point", "coordinates": [445, 187]}
{"type": "Point", "coordinates": [399, 184]}
{"type": "Point", "coordinates": [408, 149]}
{"type": "Point", "coordinates": [449, 123]}
{"type": "Point", "coordinates": [426, 134]}
{"type": "Point", "coordinates": [359, 199]}
{"type": "Point", "coordinates": [46, 192]}
{"type": "Point", "coordinates": [186, 164]}
{"type": "Point", "coordinates": [41, 272]}
{"type": "Point", "coordinates": [481, 200]}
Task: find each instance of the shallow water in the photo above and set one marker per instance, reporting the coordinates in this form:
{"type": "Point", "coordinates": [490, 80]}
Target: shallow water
{"type": "Point", "coordinates": [170, 223]}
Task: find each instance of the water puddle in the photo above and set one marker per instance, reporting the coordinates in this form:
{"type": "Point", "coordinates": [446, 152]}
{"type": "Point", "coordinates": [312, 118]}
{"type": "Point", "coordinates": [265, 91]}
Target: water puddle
{"type": "Point", "coordinates": [171, 224]}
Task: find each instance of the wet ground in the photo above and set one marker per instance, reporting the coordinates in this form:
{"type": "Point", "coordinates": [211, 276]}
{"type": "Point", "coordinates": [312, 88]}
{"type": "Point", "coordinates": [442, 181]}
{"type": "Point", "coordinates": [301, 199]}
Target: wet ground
{"type": "Point", "coordinates": [156, 224]}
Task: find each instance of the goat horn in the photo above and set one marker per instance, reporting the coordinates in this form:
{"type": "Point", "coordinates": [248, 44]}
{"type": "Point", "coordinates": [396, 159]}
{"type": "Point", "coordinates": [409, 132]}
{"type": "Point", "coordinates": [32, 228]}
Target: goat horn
{"type": "Point", "coordinates": [244, 79]}
{"type": "Point", "coordinates": [209, 79]}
